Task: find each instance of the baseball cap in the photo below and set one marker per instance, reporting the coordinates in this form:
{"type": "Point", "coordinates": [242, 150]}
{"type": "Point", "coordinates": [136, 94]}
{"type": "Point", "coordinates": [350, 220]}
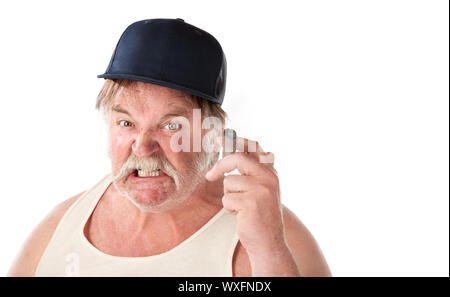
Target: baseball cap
{"type": "Point", "coordinates": [173, 54]}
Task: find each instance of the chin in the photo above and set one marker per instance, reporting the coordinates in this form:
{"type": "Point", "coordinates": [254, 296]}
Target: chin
{"type": "Point", "coordinates": [151, 200]}
{"type": "Point", "coordinates": [148, 197]}
{"type": "Point", "coordinates": [153, 203]}
{"type": "Point", "coordinates": [154, 198]}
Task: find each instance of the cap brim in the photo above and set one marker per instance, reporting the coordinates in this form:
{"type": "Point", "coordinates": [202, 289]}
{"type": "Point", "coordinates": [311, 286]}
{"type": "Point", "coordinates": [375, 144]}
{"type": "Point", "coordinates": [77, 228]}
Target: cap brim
{"type": "Point", "coordinates": [160, 83]}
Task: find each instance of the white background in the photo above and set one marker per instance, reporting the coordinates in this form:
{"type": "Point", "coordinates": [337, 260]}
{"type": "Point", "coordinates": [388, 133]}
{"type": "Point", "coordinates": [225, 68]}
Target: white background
{"type": "Point", "coordinates": [351, 96]}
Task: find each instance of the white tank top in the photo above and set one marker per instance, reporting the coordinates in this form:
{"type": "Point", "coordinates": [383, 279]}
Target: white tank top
{"type": "Point", "coordinates": [207, 252]}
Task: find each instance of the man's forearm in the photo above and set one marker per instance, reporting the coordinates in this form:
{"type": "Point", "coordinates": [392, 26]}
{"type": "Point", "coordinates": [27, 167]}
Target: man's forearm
{"type": "Point", "coordinates": [275, 262]}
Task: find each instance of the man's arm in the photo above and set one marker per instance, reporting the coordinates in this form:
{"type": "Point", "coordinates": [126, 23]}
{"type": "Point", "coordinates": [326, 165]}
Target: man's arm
{"type": "Point", "coordinates": [297, 255]}
{"type": "Point", "coordinates": [304, 248]}
{"type": "Point", "coordinates": [30, 254]}
{"type": "Point", "coordinates": [274, 238]}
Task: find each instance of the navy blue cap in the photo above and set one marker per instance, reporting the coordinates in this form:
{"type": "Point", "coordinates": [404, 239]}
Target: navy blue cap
{"type": "Point", "coordinates": [173, 54]}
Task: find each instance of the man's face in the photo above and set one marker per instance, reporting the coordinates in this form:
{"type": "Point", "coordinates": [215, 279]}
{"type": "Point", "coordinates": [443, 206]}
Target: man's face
{"type": "Point", "coordinates": [147, 171]}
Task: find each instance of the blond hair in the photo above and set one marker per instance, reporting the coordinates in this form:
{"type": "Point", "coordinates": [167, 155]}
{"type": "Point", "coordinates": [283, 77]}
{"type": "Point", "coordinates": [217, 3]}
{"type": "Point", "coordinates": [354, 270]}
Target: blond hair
{"type": "Point", "coordinates": [111, 88]}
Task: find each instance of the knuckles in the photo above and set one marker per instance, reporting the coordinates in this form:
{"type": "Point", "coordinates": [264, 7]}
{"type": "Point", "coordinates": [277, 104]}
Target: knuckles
{"type": "Point", "coordinates": [258, 147]}
{"type": "Point", "coordinates": [240, 156]}
{"type": "Point", "coordinates": [265, 184]}
{"type": "Point", "coordinates": [274, 178]}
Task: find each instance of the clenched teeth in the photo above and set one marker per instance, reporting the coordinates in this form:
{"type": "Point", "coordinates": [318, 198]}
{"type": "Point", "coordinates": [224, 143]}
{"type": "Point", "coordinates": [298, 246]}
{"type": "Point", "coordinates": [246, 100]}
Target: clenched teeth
{"type": "Point", "coordinates": [145, 173]}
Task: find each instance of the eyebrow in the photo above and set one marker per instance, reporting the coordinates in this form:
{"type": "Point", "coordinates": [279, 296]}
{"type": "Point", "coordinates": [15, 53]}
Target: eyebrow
{"type": "Point", "coordinates": [117, 108]}
{"type": "Point", "coordinates": [175, 113]}
{"type": "Point", "coordinates": [179, 111]}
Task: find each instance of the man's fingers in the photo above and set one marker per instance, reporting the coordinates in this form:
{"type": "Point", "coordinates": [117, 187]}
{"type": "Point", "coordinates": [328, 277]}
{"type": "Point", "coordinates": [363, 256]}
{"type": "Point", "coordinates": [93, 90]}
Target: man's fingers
{"type": "Point", "coordinates": [238, 183]}
{"type": "Point", "coordinates": [232, 202]}
{"type": "Point", "coordinates": [266, 158]}
{"type": "Point", "coordinates": [240, 161]}
{"type": "Point", "coordinates": [254, 150]}
{"type": "Point", "coordinates": [248, 146]}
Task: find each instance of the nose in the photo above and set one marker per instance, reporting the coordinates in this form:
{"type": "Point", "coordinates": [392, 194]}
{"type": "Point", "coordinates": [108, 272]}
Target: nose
{"type": "Point", "coordinates": [144, 145]}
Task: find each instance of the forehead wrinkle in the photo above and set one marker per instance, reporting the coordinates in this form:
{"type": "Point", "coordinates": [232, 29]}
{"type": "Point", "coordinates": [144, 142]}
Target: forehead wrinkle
{"type": "Point", "coordinates": [140, 97]}
{"type": "Point", "coordinates": [185, 98]}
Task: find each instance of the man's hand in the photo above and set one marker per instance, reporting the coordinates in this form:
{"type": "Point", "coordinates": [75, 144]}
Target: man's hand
{"type": "Point", "coordinates": [254, 196]}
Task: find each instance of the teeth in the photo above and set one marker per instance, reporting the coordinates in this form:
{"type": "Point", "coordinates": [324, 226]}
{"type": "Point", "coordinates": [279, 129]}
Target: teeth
{"type": "Point", "coordinates": [145, 173]}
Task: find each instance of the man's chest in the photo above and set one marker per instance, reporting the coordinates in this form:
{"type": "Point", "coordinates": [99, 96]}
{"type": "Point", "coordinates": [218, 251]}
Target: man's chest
{"type": "Point", "coordinates": [113, 243]}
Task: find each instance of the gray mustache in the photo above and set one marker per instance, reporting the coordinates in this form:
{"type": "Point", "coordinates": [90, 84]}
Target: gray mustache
{"type": "Point", "coordinates": [147, 164]}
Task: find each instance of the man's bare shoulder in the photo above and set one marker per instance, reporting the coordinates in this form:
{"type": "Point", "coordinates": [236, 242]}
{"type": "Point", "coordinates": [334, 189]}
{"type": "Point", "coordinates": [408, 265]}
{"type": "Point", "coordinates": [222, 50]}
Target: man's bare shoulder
{"type": "Point", "coordinates": [303, 246]}
{"type": "Point", "coordinates": [28, 257]}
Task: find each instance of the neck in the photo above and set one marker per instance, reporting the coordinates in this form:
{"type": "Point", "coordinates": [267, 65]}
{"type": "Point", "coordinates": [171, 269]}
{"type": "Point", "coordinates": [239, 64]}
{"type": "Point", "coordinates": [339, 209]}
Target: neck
{"type": "Point", "coordinates": [175, 224]}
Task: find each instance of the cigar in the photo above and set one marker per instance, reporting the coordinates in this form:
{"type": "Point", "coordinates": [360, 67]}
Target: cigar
{"type": "Point", "coordinates": [229, 142]}
{"type": "Point", "coordinates": [229, 147]}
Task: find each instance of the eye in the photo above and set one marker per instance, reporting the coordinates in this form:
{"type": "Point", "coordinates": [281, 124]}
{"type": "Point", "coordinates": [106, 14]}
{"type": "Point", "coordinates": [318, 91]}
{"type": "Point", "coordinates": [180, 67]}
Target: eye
{"type": "Point", "coordinates": [125, 123]}
{"type": "Point", "coordinates": [173, 126]}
